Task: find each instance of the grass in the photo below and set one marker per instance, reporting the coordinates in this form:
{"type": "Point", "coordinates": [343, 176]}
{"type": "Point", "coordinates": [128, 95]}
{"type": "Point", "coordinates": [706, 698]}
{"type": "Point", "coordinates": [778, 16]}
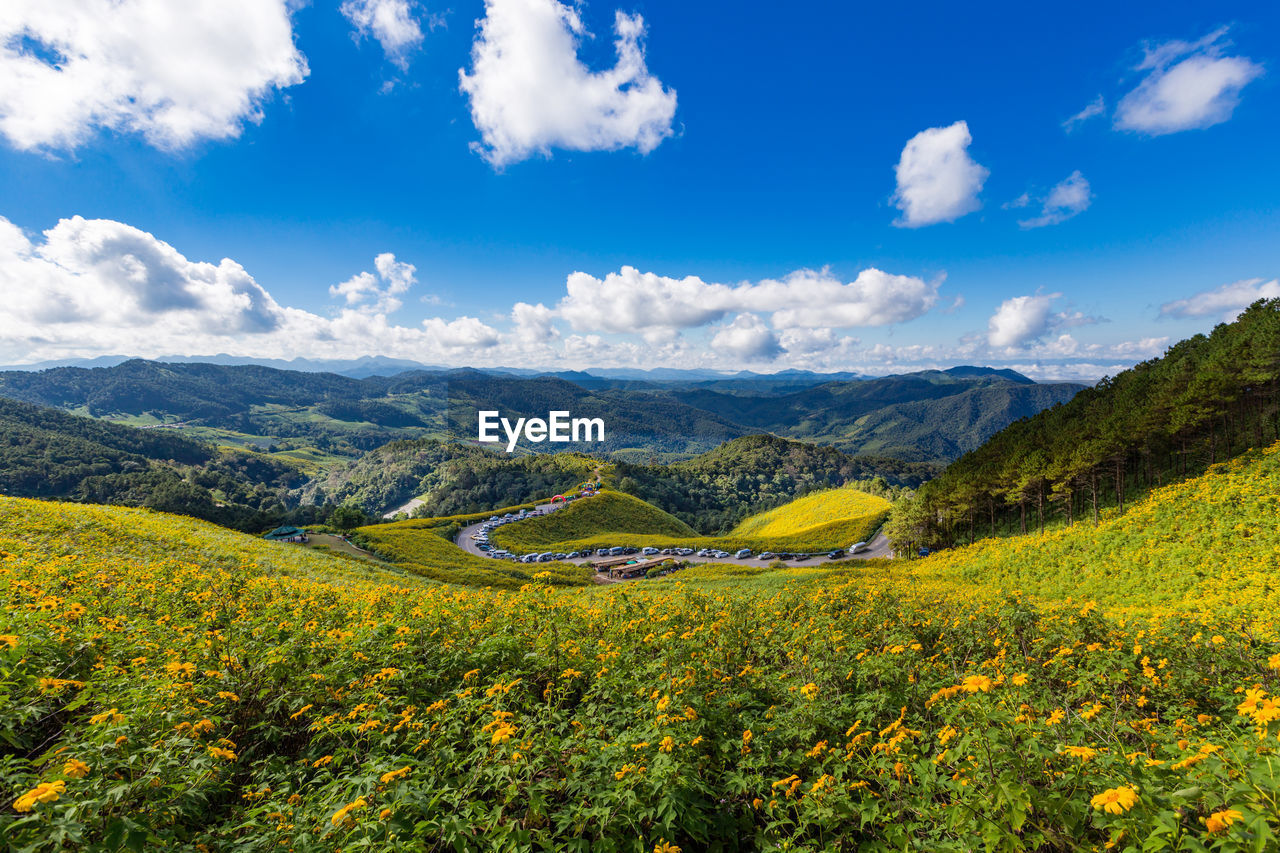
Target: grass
{"type": "Point", "coordinates": [1211, 542]}
{"type": "Point", "coordinates": [811, 523]}
{"type": "Point", "coordinates": [425, 547]}
{"type": "Point", "coordinates": [167, 684]}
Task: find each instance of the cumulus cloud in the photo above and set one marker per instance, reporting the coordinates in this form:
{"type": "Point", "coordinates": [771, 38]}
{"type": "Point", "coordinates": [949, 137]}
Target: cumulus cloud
{"type": "Point", "coordinates": [391, 22]}
{"type": "Point", "coordinates": [631, 300]}
{"type": "Point", "coordinates": [1020, 319]}
{"type": "Point", "coordinates": [462, 333]}
{"type": "Point", "coordinates": [1096, 107]}
{"type": "Point", "coordinates": [530, 92]}
{"type": "Point", "coordinates": [1070, 197]}
{"type": "Point", "coordinates": [1227, 301]}
{"type": "Point", "coordinates": [96, 286]}
{"type": "Point", "coordinates": [1189, 85]}
{"type": "Point", "coordinates": [378, 291]}
{"type": "Point", "coordinates": [937, 179]}
{"type": "Point", "coordinates": [175, 74]}
{"type": "Point", "coordinates": [534, 325]}
{"type": "Point", "coordinates": [1023, 320]}
{"type": "Point", "coordinates": [748, 339]}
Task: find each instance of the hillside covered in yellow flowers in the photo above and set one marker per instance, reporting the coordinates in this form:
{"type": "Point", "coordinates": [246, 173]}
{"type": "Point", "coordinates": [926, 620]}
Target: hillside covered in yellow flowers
{"type": "Point", "coordinates": [167, 684]}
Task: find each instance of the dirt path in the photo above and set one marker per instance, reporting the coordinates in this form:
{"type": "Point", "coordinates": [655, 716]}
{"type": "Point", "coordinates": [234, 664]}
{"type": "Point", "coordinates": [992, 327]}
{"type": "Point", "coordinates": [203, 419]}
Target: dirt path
{"type": "Point", "coordinates": [407, 509]}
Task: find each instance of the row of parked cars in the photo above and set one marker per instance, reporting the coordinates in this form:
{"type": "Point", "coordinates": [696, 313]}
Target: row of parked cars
{"type": "Point", "coordinates": [481, 536]}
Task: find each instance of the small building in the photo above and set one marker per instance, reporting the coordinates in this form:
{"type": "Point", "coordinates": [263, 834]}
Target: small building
{"type": "Point", "coordinates": [286, 534]}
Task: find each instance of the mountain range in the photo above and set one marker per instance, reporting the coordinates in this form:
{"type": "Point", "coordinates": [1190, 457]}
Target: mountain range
{"type": "Point", "coordinates": [928, 416]}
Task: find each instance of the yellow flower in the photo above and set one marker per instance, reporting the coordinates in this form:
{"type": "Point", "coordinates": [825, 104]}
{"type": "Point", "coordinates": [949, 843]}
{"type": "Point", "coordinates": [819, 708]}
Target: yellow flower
{"type": "Point", "coordinates": [810, 691]}
{"type": "Point", "coordinates": [664, 846]}
{"type": "Point", "coordinates": [1115, 800]}
{"type": "Point", "coordinates": [393, 775]}
{"type": "Point", "coordinates": [976, 683]}
{"type": "Point", "coordinates": [219, 752]}
{"type": "Point", "coordinates": [1220, 820]}
{"type": "Point", "coordinates": [1018, 680]}
{"type": "Point", "coordinates": [384, 814]}
{"type": "Point", "coordinates": [1273, 661]}
{"type": "Point", "coordinates": [75, 769]}
{"type": "Point", "coordinates": [503, 733]}
{"type": "Point", "coordinates": [1083, 753]}
{"type": "Point", "coordinates": [340, 816]}
{"type": "Point", "coordinates": [1055, 718]}
{"type": "Point", "coordinates": [11, 640]}
{"type": "Point", "coordinates": [178, 669]}
{"type": "Point", "coordinates": [113, 716]}
{"type": "Point", "coordinates": [45, 792]}
{"type": "Point", "coordinates": [230, 697]}
{"type": "Point", "coordinates": [668, 744]}
{"type": "Point", "coordinates": [664, 703]}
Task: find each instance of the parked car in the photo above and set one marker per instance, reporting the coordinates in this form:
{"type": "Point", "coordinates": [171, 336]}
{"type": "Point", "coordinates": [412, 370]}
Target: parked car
{"type": "Point", "coordinates": [742, 554]}
{"type": "Point", "coordinates": [836, 554]}
{"type": "Point", "coordinates": [648, 550]}
{"type": "Point", "coordinates": [767, 555]}
{"type": "Point", "coordinates": [800, 558]}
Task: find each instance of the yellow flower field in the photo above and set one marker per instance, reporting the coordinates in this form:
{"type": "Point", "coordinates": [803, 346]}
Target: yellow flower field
{"type": "Point", "coordinates": [166, 684]}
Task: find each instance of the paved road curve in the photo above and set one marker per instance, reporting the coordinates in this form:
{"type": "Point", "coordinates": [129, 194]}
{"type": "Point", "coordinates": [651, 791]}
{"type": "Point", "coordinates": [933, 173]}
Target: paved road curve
{"type": "Point", "coordinates": [879, 547]}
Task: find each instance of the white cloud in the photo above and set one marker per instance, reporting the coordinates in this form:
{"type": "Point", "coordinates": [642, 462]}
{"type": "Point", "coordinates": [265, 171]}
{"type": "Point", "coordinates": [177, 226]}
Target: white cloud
{"type": "Point", "coordinates": [462, 333]}
{"type": "Point", "coordinates": [95, 286]}
{"type": "Point", "coordinates": [1227, 301]}
{"type": "Point", "coordinates": [748, 339]}
{"type": "Point", "coordinates": [175, 73]}
{"type": "Point", "coordinates": [530, 93]}
{"type": "Point", "coordinates": [533, 325]}
{"type": "Point", "coordinates": [1020, 320]}
{"type": "Point", "coordinates": [937, 179]}
{"type": "Point", "coordinates": [815, 299]}
{"type": "Point", "coordinates": [1024, 320]}
{"type": "Point", "coordinates": [391, 22]}
{"type": "Point", "coordinates": [1070, 197]}
{"type": "Point", "coordinates": [1096, 107]}
{"type": "Point", "coordinates": [378, 292]}
{"type": "Point", "coordinates": [1189, 86]}
{"type": "Point", "coordinates": [630, 300]}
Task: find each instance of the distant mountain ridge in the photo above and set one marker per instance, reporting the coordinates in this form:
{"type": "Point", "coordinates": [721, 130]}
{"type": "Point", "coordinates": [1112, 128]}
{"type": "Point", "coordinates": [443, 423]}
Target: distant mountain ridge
{"type": "Point", "coordinates": [946, 412]}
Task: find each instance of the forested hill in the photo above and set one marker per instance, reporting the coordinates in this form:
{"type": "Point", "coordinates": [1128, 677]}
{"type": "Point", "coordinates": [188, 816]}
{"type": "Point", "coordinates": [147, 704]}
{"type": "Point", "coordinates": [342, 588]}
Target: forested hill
{"type": "Point", "coordinates": [929, 415]}
{"type": "Point", "coordinates": [715, 491]}
{"type": "Point", "coordinates": [48, 453]}
{"type": "Point", "coordinates": [1207, 399]}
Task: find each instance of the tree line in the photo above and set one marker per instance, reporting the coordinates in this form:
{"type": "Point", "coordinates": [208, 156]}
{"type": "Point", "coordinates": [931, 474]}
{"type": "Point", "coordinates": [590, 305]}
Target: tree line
{"type": "Point", "coordinates": [1209, 398]}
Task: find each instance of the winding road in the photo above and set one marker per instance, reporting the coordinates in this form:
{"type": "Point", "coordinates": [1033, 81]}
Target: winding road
{"type": "Point", "coordinates": [879, 547]}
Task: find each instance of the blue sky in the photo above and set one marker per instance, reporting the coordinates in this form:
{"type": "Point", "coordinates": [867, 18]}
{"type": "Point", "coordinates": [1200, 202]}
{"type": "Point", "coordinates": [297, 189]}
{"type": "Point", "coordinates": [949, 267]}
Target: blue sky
{"type": "Point", "coordinates": [850, 188]}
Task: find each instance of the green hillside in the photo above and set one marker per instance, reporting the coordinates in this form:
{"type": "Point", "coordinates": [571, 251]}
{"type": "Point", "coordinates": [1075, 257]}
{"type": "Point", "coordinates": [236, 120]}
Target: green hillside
{"type": "Point", "coordinates": [450, 477]}
{"type": "Point", "coordinates": [815, 523]}
{"type": "Point", "coordinates": [424, 547]}
{"type": "Point", "coordinates": [323, 416]}
{"type": "Point", "coordinates": [1210, 542]}
{"type": "Point", "coordinates": [608, 512]}
{"type": "Point", "coordinates": [1207, 399]}
{"type": "Point", "coordinates": [718, 490]}
{"type": "Point", "coordinates": [173, 685]}
{"type": "Point", "coordinates": [48, 453]}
